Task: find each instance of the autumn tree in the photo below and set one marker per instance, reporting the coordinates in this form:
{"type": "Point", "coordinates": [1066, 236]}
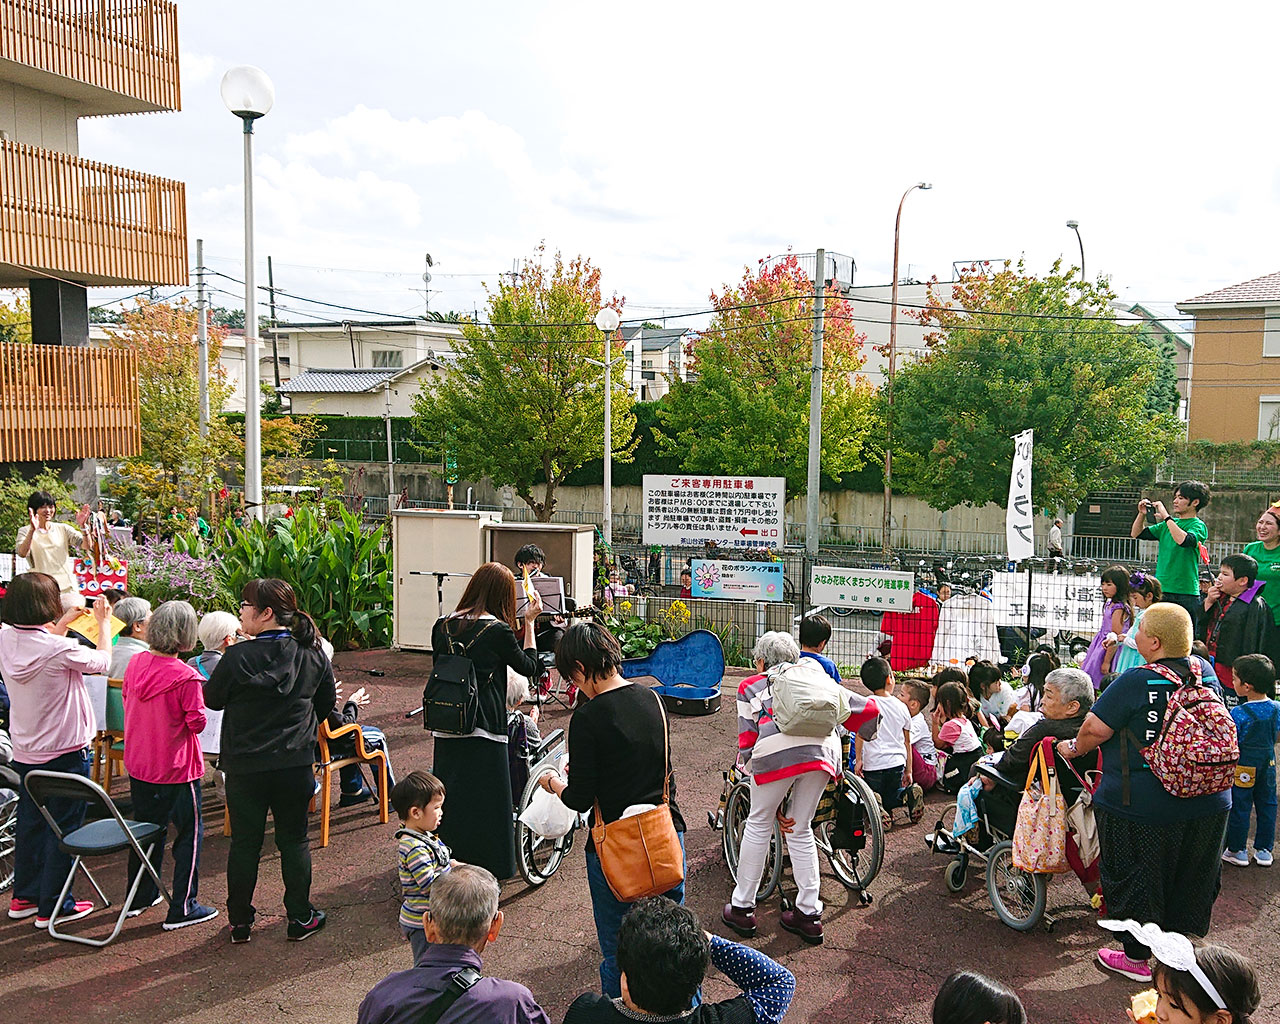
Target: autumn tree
{"type": "Point", "coordinates": [177, 466]}
{"type": "Point", "coordinates": [1007, 351]}
{"type": "Point", "coordinates": [15, 318]}
{"type": "Point", "coordinates": [745, 407]}
{"type": "Point", "coordinates": [521, 404]}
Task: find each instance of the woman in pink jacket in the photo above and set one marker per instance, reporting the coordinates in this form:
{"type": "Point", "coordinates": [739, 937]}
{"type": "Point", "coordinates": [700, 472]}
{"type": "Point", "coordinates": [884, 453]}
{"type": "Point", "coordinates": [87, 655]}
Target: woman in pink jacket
{"type": "Point", "coordinates": [163, 719]}
{"type": "Point", "coordinates": [51, 722]}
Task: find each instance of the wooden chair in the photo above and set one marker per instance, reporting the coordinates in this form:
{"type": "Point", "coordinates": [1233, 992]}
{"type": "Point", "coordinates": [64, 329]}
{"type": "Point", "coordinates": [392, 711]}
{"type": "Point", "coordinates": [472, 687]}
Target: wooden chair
{"type": "Point", "coordinates": [328, 766]}
{"type": "Point", "coordinates": [108, 745]}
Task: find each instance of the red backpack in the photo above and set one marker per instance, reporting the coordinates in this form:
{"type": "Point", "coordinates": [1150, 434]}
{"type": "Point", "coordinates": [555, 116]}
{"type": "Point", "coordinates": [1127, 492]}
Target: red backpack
{"type": "Point", "coordinates": [1196, 752]}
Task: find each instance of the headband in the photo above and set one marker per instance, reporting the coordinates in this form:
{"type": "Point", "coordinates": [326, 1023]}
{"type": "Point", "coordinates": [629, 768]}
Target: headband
{"type": "Point", "coordinates": [1171, 949]}
{"type": "Point", "coordinates": [1274, 511]}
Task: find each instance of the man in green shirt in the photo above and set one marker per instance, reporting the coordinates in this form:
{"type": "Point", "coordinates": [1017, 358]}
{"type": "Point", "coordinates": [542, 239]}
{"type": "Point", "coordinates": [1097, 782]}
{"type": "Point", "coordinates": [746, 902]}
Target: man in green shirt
{"type": "Point", "coordinates": [1179, 534]}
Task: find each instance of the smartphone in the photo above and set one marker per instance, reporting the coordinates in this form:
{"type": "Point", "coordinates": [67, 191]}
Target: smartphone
{"type": "Point", "coordinates": [1151, 513]}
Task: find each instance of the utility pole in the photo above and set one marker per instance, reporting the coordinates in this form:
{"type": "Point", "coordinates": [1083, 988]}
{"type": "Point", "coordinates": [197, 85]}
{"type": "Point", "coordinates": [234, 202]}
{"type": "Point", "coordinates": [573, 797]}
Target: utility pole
{"type": "Point", "coordinates": [275, 344]}
{"type": "Point", "coordinates": [391, 459]}
{"type": "Point", "coordinates": [202, 338]}
{"type": "Point", "coordinates": [513, 273]}
{"type": "Point", "coordinates": [815, 409]}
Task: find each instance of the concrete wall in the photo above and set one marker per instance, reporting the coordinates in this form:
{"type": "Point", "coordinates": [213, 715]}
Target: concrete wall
{"type": "Point", "coordinates": [38, 119]}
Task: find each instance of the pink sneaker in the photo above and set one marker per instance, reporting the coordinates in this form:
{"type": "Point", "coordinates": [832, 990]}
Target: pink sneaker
{"type": "Point", "coordinates": [83, 908]}
{"type": "Point", "coordinates": [18, 909]}
{"type": "Point", "coordinates": [1115, 960]}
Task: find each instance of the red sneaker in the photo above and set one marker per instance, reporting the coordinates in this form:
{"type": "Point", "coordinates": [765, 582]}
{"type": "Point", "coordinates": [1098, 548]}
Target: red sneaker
{"type": "Point", "coordinates": [18, 909]}
{"type": "Point", "coordinates": [83, 908]}
{"type": "Point", "coordinates": [1115, 960]}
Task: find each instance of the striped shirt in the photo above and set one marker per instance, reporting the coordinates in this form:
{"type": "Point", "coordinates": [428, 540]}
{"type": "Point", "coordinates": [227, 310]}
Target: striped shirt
{"type": "Point", "coordinates": [775, 755]}
{"type": "Point", "coordinates": [423, 858]}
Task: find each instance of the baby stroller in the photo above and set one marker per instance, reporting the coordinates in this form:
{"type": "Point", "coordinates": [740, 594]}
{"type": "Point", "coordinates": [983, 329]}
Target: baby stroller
{"type": "Point", "coordinates": [1018, 897]}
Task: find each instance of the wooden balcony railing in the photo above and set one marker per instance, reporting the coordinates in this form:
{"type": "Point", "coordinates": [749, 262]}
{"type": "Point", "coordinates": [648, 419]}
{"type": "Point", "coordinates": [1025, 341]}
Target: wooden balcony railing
{"type": "Point", "coordinates": [103, 225]}
{"type": "Point", "coordinates": [58, 402]}
{"type": "Point", "coordinates": [126, 51]}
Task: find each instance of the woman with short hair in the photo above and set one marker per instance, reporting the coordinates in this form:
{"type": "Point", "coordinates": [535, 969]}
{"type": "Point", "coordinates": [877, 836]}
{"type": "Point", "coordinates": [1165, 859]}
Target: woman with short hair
{"type": "Point", "coordinates": [134, 613]}
{"type": "Point", "coordinates": [51, 721]}
{"type": "Point", "coordinates": [47, 545]}
{"type": "Point", "coordinates": [164, 715]}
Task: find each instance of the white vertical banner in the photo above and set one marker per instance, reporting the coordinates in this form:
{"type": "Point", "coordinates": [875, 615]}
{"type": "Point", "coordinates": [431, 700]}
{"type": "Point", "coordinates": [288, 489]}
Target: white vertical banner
{"type": "Point", "coordinates": [1019, 525]}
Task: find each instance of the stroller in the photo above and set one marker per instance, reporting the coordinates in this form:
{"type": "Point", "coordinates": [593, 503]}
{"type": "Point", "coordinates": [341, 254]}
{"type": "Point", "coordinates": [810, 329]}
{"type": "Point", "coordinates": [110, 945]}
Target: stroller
{"type": "Point", "coordinates": [1018, 897]}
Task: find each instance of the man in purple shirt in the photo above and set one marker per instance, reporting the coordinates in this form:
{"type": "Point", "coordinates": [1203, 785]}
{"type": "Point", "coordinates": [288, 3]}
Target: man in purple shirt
{"type": "Point", "coordinates": [463, 919]}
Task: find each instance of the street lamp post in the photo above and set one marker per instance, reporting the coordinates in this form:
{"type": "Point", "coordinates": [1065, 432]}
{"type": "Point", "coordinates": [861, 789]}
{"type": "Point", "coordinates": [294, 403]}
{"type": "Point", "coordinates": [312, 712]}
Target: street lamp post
{"type": "Point", "coordinates": [888, 381]}
{"type": "Point", "coordinates": [1074, 225]}
{"type": "Point", "coordinates": [607, 320]}
{"type": "Point", "coordinates": [249, 94]}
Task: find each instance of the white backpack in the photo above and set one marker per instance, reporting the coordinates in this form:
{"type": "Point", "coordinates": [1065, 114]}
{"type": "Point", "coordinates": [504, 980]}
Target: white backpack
{"type": "Point", "coordinates": [806, 701]}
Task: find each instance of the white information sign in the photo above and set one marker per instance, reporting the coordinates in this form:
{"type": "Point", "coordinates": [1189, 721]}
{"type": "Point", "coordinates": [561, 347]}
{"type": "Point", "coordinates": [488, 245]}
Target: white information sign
{"type": "Point", "coordinates": [879, 590]}
{"type": "Point", "coordinates": [1070, 603]}
{"type": "Point", "coordinates": [734, 511]}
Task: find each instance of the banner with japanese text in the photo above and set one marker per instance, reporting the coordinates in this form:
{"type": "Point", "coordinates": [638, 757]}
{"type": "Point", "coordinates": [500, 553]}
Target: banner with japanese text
{"type": "Point", "coordinates": [1058, 601]}
{"type": "Point", "coordinates": [732, 511]}
{"type": "Point", "coordinates": [879, 590]}
{"type": "Point", "coordinates": [737, 581]}
{"type": "Point", "coordinates": [1019, 528]}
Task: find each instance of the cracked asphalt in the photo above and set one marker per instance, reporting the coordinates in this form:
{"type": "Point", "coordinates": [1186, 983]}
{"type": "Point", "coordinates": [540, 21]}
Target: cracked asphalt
{"type": "Point", "coordinates": [879, 964]}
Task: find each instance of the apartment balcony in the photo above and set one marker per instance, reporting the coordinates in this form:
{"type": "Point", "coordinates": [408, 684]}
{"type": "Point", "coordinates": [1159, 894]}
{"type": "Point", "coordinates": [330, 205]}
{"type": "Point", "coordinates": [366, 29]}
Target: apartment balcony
{"type": "Point", "coordinates": [59, 403]}
{"type": "Point", "coordinates": [63, 216]}
{"type": "Point", "coordinates": [109, 56]}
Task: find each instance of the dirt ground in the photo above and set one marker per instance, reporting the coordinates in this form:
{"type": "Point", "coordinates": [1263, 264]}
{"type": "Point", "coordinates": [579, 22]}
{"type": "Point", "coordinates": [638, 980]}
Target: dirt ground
{"type": "Point", "coordinates": [881, 963]}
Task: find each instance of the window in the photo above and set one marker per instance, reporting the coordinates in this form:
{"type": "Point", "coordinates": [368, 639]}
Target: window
{"type": "Point", "coordinates": [387, 358]}
{"type": "Point", "coordinates": [1269, 417]}
{"type": "Point", "coordinates": [1271, 332]}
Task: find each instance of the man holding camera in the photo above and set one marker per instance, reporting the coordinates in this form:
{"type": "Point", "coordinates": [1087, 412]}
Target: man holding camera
{"type": "Point", "coordinates": [1180, 534]}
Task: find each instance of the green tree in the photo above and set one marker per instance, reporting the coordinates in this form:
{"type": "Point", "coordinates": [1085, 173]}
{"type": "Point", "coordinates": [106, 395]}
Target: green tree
{"type": "Point", "coordinates": [15, 319]}
{"type": "Point", "coordinates": [745, 408]}
{"type": "Point", "coordinates": [14, 492]}
{"type": "Point", "coordinates": [1162, 396]}
{"type": "Point", "coordinates": [521, 404]}
{"type": "Point", "coordinates": [1009, 351]}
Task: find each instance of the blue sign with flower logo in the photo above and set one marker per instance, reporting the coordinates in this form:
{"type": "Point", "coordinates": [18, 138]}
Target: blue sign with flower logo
{"type": "Point", "coordinates": [737, 581]}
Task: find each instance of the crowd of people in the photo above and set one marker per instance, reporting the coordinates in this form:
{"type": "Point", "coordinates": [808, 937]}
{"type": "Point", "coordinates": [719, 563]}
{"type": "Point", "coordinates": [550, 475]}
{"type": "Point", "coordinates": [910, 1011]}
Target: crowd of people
{"type": "Point", "coordinates": [270, 674]}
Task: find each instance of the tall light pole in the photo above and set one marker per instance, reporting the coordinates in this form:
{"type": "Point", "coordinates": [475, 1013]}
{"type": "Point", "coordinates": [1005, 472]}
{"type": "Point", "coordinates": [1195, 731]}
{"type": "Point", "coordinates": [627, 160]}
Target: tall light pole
{"type": "Point", "coordinates": [1074, 225]}
{"type": "Point", "coordinates": [887, 525]}
{"type": "Point", "coordinates": [249, 94]}
{"type": "Point", "coordinates": [607, 320]}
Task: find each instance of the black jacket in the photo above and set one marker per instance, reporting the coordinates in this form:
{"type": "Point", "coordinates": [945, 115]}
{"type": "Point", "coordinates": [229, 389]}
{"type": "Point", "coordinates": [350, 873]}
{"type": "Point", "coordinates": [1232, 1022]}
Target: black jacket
{"type": "Point", "coordinates": [493, 646]}
{"type": "Point", "coordinates": [275, 693]}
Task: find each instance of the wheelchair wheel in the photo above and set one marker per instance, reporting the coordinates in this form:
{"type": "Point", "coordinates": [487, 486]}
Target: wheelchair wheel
{"type": "Point", "coordinates": [737, 809]}
{"type": "Point", "coordinates": [1018, 897]}
{"type": "Point", "coordinates": [956, 875]}
{"type": "Point", "coordinates": [538, 856]}
{"type": "Point", "coordinates": [856, 869]}
{"type": "Point", "coordinates": [8, 836]}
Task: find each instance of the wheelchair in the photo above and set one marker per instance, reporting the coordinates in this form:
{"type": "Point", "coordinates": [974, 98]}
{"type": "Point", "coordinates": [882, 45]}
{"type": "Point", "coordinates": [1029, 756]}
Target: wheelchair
{"type": "Point", "coordinates": [9, 784]}
{"type": "Point", "coordinates": [538, 857]}
{"type": "Point", "coordinates": [855, 863]}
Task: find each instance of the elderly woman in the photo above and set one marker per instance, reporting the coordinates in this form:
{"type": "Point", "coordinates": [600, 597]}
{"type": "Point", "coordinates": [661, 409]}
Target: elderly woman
{"type": "Point", "coordinates": [780, 764]}
{"type": "Point", "coordinates": [1160, 853]}
{"type": "Point", "coordinates": [134, 613]}
{"type": "Point", "coordinates": [217, 631]}
{"type": "Point", "coordinates": [1066, 699]}
{"type": "Point", "coordinates": [164, 715]}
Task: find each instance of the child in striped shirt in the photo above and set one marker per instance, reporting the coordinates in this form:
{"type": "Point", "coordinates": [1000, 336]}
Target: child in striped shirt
{"type": "Point", "coordinates": [418, 799]}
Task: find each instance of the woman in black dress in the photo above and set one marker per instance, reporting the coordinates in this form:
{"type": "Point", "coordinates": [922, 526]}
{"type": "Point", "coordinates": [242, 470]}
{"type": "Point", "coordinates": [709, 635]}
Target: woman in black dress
{"type": "Point", "coordinates": [474, 768]}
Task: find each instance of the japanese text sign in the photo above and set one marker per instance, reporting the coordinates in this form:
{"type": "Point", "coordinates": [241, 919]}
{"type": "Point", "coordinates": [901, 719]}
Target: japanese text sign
{"type": "Point", "coordinates": [734, 511]}
{"type": "Point", "coordinates": [1058, 601]}
{"type": "Point", "coordinates": [880, 590]}
{"type": "Point", "coordinates": [1018, 523]}
{"type": "Point", "coordinates": [737, 581]}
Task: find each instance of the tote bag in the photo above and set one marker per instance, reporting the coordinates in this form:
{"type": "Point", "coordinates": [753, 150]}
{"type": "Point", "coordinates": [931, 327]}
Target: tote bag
{"type": "Point", "coordinates": [1040, 837]}
{"type": "Point", "coordinates": [640, 855]}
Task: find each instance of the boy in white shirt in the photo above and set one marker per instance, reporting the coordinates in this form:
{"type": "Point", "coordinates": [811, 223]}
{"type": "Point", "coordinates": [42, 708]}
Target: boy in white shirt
{"type": "Point", "coordinates": [885, 762]}
{"type": "Point", "coordinates": [924, 755]}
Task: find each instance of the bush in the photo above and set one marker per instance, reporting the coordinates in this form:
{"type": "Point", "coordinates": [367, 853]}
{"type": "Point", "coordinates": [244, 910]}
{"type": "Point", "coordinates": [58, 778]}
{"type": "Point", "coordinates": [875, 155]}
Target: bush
{"type": "Point", "coordinates": [159, 573]}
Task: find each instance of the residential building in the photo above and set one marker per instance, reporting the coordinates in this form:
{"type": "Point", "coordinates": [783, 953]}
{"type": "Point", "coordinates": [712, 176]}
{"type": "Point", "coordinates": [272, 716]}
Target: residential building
{"type": "Point", "coordinates": [374, 345]}
{"type": "Point", "coordinates": [1235, 368]}
{"type": "Point", "coordinates": [655, 356]}
{"type": "Point", "coordinates": [872, 305]}
{"type": "Point", "coordinates": [1164, 320]}
{"type": "Point", "coordinates": [67, 223]}
{"type": "Point", "coordinates": [359, 392]}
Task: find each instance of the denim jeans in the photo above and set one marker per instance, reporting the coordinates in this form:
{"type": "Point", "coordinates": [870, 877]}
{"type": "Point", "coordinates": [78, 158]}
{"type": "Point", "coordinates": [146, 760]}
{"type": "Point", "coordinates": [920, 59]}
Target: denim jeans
{"type": "Point", "coordinates": [887, 784]}
{"type": "Point", "coordinates": [40, 867]}
{"type": "Point", "coordinates": [1193, 603]}
{"type": "Point", "coordinates": [1261, 795]}
{"type": "Point", "coordinates": [608, 912]}
{"type": "Point", "coordinates": [165, 804]}
{"type": "Point", "coordinates": [351, 778]}
{"type": "Point", "coordinates": [286, 793]}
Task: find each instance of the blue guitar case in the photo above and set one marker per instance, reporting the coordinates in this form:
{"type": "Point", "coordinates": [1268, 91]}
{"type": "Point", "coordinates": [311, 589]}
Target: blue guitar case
{"type": "Point", "coordinates": [689, 671]}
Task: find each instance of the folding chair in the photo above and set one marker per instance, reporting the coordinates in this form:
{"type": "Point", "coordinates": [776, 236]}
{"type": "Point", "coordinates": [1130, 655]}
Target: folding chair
{"type": "Point", "coordinates": [328, 765]}
{"type": "Point", "coordinates": [108, 835]}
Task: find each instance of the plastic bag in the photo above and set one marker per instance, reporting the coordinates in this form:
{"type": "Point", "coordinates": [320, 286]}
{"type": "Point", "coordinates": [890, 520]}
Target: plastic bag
{"type": "Point", "coordinates": [547, 815]}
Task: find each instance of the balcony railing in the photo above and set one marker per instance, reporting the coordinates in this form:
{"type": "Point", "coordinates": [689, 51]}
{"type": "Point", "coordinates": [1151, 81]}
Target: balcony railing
{"type": "Point", "coordinates": [68, 403]}
{"type": "Point", "coordinates": [124, 51]}
{"type": "Point", "coordinates": [103, 225]}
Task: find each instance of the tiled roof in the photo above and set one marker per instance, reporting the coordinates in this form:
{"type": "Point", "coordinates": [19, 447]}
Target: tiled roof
{"type": "Point", "coordinates": [655, 340]}
{"type": "Point", "coordinates": [331, 382]}
{"type": "Point", "coordinates": [1265, 289]}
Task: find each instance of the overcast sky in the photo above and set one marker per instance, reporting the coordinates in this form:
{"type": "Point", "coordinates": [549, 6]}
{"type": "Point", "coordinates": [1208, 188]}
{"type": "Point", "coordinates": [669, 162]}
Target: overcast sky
{"type": "Point", "coordinates": [674, 143]}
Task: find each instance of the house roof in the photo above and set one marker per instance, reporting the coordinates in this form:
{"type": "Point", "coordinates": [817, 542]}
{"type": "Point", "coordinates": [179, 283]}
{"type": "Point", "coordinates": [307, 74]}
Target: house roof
{"type": "Point", "coordinates": [654, 340]}
{"type": "Point", "coordinates": [350, 380]}
{"type": "Point", "coordinates": [1263, 290]}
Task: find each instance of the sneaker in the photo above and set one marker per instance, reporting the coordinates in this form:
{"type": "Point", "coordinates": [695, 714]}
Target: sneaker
{"type": "Point", "coordinates": [807, 926]}
{"type": "Point", "coordinates": [1240, 858]}
{"type": "Point", "coordinates": [18, 909]}
{"type": "Point", "coordinates": [135, 911]}
{"type": "Point", "coordinates": [299, 930]}
{"type": "Point", "coordinates": [741, 919]}
{"type": "Point", "coordinates": [351, 799]}
{"type": "Point", "coordinates": [915, 801]}
{"type": "Point", "coordinates": [240, 933]}
{"type": "Point", "coordinates": [83, 908]}
{"type": "Point", "coordinates": [886, 819]}
{"type": "Point", "coordinates": [199, 912]}
{"type": "Point", "coordinates": [1115, 960]}
{"type": "Point", "coordinates": [1262, 858]}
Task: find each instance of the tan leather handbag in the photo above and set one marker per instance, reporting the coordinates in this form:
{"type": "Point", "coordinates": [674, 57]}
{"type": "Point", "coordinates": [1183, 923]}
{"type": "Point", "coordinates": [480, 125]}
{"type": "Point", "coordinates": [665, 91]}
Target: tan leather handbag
{"type": "Point", "coordinates": [640, 855]}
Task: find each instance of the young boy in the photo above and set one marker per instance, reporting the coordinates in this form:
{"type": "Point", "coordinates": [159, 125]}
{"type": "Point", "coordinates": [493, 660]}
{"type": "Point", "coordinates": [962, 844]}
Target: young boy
{"type": "Point", "coordinates": [1237, 619]}
{"type": "Point", "coordinates": [885, 762]}
{"type": "Point", "coordinates": [815, 631]}
{"type": "Point", "coordinates": [924, 755]}
{"type": "Point", "coordinates": [418, 799]}
{"type": "Point", "coordinates": [686, 583]}
{"type": "Point", "coordinates": [1257, 719]}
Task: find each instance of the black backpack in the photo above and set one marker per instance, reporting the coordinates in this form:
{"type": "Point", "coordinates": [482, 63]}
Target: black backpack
{"type": "Point", "coordinates": [451, 698]}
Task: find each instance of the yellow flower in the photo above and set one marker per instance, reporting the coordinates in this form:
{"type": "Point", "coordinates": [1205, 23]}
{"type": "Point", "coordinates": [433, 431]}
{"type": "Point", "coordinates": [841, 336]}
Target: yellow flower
{"type": "Point", "coordinates": [624, 607]}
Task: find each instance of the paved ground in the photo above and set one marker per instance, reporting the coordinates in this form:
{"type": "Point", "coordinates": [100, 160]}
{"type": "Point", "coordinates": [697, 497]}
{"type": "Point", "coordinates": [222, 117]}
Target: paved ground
{"type": "Point", "coordinates": [882, 963]}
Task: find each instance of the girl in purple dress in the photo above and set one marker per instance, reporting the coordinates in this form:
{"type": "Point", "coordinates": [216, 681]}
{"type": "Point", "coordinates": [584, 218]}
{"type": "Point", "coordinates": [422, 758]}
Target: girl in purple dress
{"type": "Point", "coordinates": [1117, 616]}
